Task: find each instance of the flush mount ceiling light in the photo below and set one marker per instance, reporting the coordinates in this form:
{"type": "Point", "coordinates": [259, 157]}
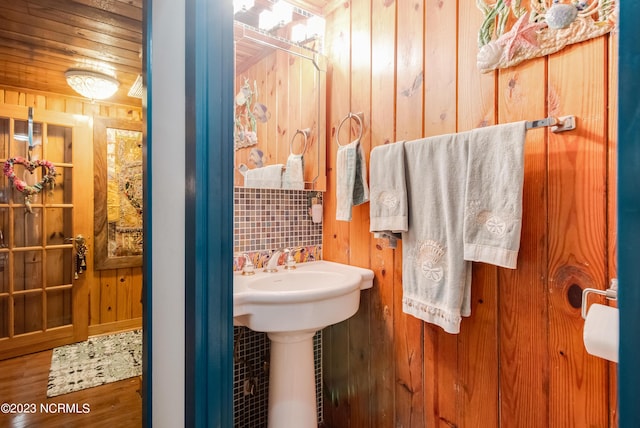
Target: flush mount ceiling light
{"type": "Point", "coordinates": [92, 84]}
{"type": "Point", "coordinates": [136, 89]}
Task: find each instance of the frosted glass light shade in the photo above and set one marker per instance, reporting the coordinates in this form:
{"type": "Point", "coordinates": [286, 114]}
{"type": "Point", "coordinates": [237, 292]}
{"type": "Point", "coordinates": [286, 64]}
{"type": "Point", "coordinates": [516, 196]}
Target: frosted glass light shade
{"type": "Point", "coordinates": [267, 20]}
{"type": "Point", "coordinates": [283, 11]}
{"type": "Point", "coordinates": [242, 5]}
{"type": "Point", "coordinates": [315, 27]}
{"type": "Point", "coordinates": [299, 33]}
{"type": "Point", "coordinates": [92, 84]}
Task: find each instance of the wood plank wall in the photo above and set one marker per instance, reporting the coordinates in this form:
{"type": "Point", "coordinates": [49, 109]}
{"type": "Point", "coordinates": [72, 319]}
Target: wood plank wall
{"type": "Point", "coordinates": [114, 295]}
{"type": "Point", "coordinates": [519, 360]}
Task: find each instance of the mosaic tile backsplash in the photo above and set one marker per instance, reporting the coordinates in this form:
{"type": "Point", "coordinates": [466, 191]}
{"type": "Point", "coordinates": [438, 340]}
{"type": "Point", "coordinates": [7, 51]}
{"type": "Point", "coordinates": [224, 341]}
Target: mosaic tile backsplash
{"type": "Point", "coordinates": [267, 220]}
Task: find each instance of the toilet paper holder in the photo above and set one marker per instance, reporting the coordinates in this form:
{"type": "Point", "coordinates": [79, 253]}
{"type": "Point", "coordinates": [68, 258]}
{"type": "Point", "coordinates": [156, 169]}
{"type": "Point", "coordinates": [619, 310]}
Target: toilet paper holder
{"type": "Point", "coordinates": [610, 293]}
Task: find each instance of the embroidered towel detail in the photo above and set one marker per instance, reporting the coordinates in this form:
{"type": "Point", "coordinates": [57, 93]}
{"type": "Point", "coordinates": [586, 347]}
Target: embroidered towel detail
{"type": "Point", "coordinates": [265, 177]}
{"type": "Point", "coordinates": [388, 209]}
{"type": "Point", "coordinates": [449, 321]}
{"type": "Point", "coordinates": [436, 280]}
{"type": "Point", "coordinates": [293, 177]}
{"type": "Point", "coordinates": [493, 208]}
{"type": "Point", "coordinates": [351, 178]}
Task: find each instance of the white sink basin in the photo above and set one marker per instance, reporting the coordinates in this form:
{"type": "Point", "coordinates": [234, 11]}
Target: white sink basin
{"type": "Point", "coordinates": [290, 306]}
{"type": "Point", "coordinates": [311, 297]}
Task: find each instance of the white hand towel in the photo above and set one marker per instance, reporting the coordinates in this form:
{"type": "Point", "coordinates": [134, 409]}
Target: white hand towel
{"type": "Point", "coordinates": [351, 178]}
{"type": "Point", "coordinates": [493, 212]}
{"type": "Point", "coordinates": [265, 177]}
{"type": "Point", "coordinates": [436, 280]}
{"type": "Point", "coordinates": [388, 210]}
{"type": "Point", "coordinates": [293, 177]}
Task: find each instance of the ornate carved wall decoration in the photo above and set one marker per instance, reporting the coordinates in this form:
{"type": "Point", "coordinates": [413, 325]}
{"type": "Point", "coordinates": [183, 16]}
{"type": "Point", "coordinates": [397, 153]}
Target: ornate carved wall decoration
{"type": "Point", "coordinates": [545, 28]}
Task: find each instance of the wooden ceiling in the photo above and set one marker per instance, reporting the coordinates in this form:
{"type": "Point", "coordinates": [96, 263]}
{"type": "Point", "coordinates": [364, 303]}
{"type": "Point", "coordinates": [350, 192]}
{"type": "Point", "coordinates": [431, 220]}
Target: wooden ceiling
{"type": "Point", "coordinates": [41, 39]}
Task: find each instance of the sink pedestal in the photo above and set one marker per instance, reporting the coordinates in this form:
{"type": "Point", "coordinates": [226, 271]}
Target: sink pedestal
{"type": "Point", "coordinates": [292, 386]}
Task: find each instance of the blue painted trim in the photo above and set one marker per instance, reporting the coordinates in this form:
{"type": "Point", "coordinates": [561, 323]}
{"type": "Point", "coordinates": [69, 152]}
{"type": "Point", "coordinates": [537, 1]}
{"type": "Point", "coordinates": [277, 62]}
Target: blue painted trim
{"type": "Point", "coordinates": [147, 264]}
{"type": "Point", "coordinates": [629, 213]}
{"type": "Point", "coordinates": [209, 214]}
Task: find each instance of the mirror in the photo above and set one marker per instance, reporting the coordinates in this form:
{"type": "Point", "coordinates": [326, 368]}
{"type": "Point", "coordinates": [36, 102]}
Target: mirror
{"type": "Point", "coordinates": [279, 112]}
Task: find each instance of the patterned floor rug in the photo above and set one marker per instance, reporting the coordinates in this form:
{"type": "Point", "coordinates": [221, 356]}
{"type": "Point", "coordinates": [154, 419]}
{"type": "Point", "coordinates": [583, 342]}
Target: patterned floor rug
{"type": "Point", "coordinates": [99, 360]}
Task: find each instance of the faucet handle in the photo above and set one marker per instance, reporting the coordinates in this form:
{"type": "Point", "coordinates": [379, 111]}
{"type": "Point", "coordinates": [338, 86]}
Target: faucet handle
{"type": "Point", "coordinates": [290, 261]}
{"type": "Point", "coordinates": [248, 268]}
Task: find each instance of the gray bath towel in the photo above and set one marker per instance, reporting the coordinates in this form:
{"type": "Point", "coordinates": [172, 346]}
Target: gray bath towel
{"type": "Point", "coordinates": [463, 194]}
{"type": "Point", "coordinates": [388, 209]}
{"type": "Point", "coordinates": [269, 177]}
{"type": "Point", "coordinates": [293, 176]}
{"type": "Point", "coordinates": [436, 280]}
{"type": "Point", "coordinates": [493, 214]}
{"type": "Point", "coordinates": [351, 178]}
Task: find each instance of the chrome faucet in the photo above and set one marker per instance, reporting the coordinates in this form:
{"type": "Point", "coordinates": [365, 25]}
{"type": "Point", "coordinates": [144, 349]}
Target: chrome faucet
{"type": "Point", "coordinates": [247, 267]}
{"type": "Point", "coordinates": [272, 263]}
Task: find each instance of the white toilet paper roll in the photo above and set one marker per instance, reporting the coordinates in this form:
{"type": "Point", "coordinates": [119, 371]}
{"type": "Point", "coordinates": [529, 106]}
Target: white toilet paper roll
{"type": "Point", "coordinates": [601, 332]}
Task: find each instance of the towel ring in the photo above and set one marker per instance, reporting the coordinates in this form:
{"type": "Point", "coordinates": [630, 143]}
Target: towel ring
{"type": "Point", "coordinates": [349, 116]}
{"type": "Point", "coordinates": [305, 133]}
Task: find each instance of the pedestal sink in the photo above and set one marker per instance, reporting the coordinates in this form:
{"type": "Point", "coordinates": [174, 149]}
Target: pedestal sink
{"type": "Point", "coordinates": [290, 306]}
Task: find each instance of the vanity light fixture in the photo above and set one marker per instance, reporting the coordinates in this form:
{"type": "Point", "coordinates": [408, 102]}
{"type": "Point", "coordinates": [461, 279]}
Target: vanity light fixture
{"type": "Point", "coordinates": [281, 14]}
{"type": "Point", "coordinates": [267, 20]}
{"type": "Point", "coordinates": [312, 30]}
{"type": "Point", "coordinates": [92, 84]}
{"type": "Point", "coordinates": [283, 11]}
{"type": "Point", "coordinates": [242, 5]}
{"type": "Point", "coordinates": [315, 27]}
{"type": "Point", "coordinates": [299, 33]}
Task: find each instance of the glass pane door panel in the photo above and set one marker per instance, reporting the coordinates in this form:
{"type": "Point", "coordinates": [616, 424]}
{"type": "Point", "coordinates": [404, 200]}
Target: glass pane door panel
{"type": "Point", "coordinates": [59, 267]}
{"type": "Point", "coordinates": [5, 190]}
{"type": "Point", "coordinates": [30, 179]}
{"type": "Point", "coordinates": [62, 192]}
{"type": "Point", "coordinates": [27, 270]}
{"type": "Point", "coordinates": [5, 136]}
{"type": "Point", "coordinates": [27, 228]}
{"type": "Point", "coordinates": [58, 308]}
{"type": "Point", "coordinates": [59, 225]}
{"type": "Point", "coordinates": [4, 316]}
{"type": "Point", "coordinates": [21, 140]}
{"type": "Point", "coordinates": [4, 228]}
{"type": "Point", "coordinates": [59, 143]}
{"type": "Point", "coordinates": [27, 309]}
{"type": "Point", "coordinates": [4, 271]}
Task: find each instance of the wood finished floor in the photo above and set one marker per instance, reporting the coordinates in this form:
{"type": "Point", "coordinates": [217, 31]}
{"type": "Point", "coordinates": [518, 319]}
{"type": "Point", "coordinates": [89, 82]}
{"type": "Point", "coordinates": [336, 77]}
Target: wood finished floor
{"type": "Point", "coordinates": [24, 380]}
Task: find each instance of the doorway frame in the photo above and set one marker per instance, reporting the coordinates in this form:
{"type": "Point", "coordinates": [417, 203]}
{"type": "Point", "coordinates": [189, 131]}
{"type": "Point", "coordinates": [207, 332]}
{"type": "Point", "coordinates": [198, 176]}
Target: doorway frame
{"type": "Point", "coordinates": [211, 349]}
{"type": "Point", "coordinates": [188, 259]}
{"type": "Point", "coordinates": [628, 214]}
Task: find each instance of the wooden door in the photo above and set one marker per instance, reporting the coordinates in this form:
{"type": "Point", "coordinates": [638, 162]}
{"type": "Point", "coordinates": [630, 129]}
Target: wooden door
{"type": "Point", "coordinates": [42, 304]}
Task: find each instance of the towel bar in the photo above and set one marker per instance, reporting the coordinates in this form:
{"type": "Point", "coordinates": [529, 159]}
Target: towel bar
{"type": "Point", "coordinates": [391, 237]}
{"type": "Point", "coordinates": [557, 124]}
